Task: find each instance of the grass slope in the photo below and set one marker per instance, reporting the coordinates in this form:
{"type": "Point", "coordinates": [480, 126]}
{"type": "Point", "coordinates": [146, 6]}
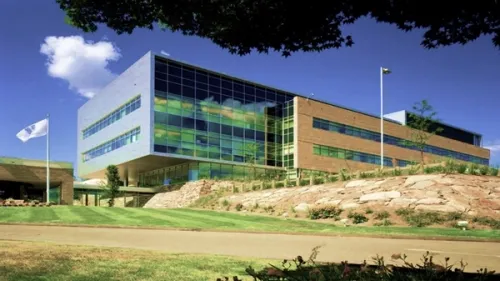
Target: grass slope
{"type": "Point", "coordinates": [23, 261]}
{"type": "Point", "coordinates": [212, 220]}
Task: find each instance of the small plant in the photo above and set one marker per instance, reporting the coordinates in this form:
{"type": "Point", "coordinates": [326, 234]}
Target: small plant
{"type": "Point", "coordinates": [462, 168]}
{"type": "Point", "coordinates": [344, 176]}
{"type": "Point", "coordinates": [473, 169]}
{"type": "Point", "coordinates": [225, 203]}
{"type": "Point", "coordinates": [491, 222]}
{"type": "Point", "coordinates": [492, 171]}
{"type": "Point", "coordinates": [453, 216]}
{"type": "Point", "coordinates": [483, 170]}
{"type": "Point", "coordinates": [384, 222]}
{"type": "Point", "coordinates": [368, 211]}
{"type": "Point", "coordinates": [382, 215]}
{"type": "Point", "coordinates": [238, 207]}
{"type": "Point", "coordinates": [396, 172]}
{"type": "Point", "coordinates": [413, 170]}
{"type": "Point", "coordinates": [403, 212]}
{"type": "Point", "coordinates": [423, 219]}
{"type": "Point", "coordinates": [450, 166]}
{"type": "Point", "coordinates": [357, 218]}
{"type": "Point", "coordinates": [324, 212]}
{"type": "Point", "coordinates": [268, 209]}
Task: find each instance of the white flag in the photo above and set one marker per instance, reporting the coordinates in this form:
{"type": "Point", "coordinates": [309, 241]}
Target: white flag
{"type": "Point", "coordinates": [38, 129]}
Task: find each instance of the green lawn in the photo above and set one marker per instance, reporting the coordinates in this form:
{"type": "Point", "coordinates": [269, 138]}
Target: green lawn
{"type": "Point", "coordinates": [212, 220]}
{"type": "Point", "coordinates": [27, 261]}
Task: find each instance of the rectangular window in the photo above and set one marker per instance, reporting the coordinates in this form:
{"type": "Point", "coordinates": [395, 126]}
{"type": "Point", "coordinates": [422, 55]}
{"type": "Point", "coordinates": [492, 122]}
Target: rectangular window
{"type": "Point", "coordinates": [375, 136]}
{"type": "Point", "coordinates": [127, 138]}
{"type": "Point", "coordinates": [114, 116]}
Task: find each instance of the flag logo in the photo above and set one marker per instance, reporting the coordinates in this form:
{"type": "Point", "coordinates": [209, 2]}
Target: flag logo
{"type": "Point", "coordinates": [38, 129]}
{"type": "Point", "coordinates": [386, 70]}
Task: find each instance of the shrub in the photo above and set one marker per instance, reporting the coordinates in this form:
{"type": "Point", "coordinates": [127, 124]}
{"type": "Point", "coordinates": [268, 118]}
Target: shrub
{"type": "Point", "coordinates": [473, 169]}
{"type": "Point", "coordinates": [423, 219]}
{"type": "Point", "coordinates": [461, 168]}
{"type": "Point", "coordinates": [450, 166]}
{"type": "Point", "coordinates": [368, 211]}
{"type": "Point", "coordinates": [382, 215]}
{"type": "Point", "coordinates": [384, 222]}
{"type": "Point", "coordinates": [344, 176]}
{"type": "Point", "coordinates": [413, 170]}
{"type": "Point", "coordinates": [309, 270]}
{"type": "Point", "coordinates": [396, 172]}
{"type": "Point", "coordinates": [238, 207]}
{"type": "Point", "coordinates": [493, 171]}
{"type": "Point", "coordinates": [491, 222]}
{"type": "Point", "coordinates": [324, 212]}
{"type": "Point", "coordinates": [483, 170]}
{"type": "Point", "coordinates": [225, 203]}
{"type": "Point", "coordinates": [454, 216]}
{"type": "Point", "coordinates": [357, 218]}
{"type": "Point", "coordinates": [433, 170]}
{"type": "Point", "coordinates": [402, 212]}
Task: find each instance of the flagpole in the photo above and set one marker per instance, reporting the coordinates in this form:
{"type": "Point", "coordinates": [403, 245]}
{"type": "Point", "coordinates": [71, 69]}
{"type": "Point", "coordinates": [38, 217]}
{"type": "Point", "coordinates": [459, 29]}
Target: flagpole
{"type": "Point", "coordinates": [48, 161]}
{"type": "Point", "coordinates": [381, 117]}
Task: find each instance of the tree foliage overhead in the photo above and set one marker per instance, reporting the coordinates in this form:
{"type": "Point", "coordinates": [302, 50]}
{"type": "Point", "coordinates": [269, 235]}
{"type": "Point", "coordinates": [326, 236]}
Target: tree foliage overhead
{"type": "Point", "coordinates": [242, 26]}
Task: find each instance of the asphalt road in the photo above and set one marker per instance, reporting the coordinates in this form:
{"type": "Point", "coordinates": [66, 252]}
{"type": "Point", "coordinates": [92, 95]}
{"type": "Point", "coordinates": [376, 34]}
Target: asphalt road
{"type": "Point", "coordinates": [274, 246]}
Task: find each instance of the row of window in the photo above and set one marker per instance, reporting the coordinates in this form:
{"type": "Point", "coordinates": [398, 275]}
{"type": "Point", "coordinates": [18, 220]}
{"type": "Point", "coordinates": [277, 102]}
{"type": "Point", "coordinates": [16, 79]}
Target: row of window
{"type": "Point", "coordinates": [127, 138]}
{"type": "Point", "coordinates": [174, 140]}
{"type": "Point", "coordinates": [375, 136]}
{"type": "Point", "coordinates": [215, 127]}
{"type": "Point", "coordinates": [190, 77]}
{"type": "Point", "coordinates": [114, 116]}
{"type": "Point", "coordinates": [341, 153]}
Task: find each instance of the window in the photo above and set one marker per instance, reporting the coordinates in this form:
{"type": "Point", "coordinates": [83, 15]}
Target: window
{"type": "Point", "coordinates": [112, 117]}
{"type": "Point", "coordinates": [340, 153]}
{"type": "Point", "coordinates": [127, 138]}
{"type": "Point", "coordinates": [375, 136]}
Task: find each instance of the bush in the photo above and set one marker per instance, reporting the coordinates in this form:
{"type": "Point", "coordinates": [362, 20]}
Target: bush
{"type": "Point", "coordinates": [493, 171]}
{"type": "Point", "coordinates": [450, 166]}
{"type": "Point", "coordinates": [433, 170]}
{"type": "Point", "coordinates": [384, 222]}
{"type": "Point", "coordinates": [396, 172]}
{"type": "Point", "coordinates": [461, 168]}
{"type": "Point", "coordinates": [473, 169]}
{"type": "Point", "coordinates": [402, 212]}
{"type": "Point", "coordinates": [368, 211]}
{"type": "Point", "coordinates": [324, 212]}
{"type": "Point", "coordinates": [483, 170]}
{"type": "Point", "coordinates": [238, 207]}
{"type": "Point", "coordinates": [382, 215]}
{"type": "Point", "coordinates": [454, 216]}
{"type": "Point", "coordinates": [423, 219]}
{"type": "Point", "coordinates": [309, 270]}
{"type": "Point", "coordinates": [225, 203]}
{"type": "Point", "coordinates": [491, 222]}
{"type": "Point", "coordinates": [357, 218]}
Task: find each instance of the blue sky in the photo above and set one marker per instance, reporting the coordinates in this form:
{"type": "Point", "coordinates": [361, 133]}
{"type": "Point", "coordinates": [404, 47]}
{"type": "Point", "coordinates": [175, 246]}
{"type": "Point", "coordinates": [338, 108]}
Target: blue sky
{"type": "Point", "coordinates": [461, 82]}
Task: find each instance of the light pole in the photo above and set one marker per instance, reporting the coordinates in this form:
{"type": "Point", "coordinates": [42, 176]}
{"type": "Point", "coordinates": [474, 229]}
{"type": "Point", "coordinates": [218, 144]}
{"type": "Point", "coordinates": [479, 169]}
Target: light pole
{"type": "Point", "coordinates": [383, 71]}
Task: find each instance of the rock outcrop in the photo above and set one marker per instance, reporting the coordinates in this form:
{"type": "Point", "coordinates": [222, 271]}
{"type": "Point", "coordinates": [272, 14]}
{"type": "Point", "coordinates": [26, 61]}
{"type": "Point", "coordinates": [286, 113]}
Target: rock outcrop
{"type": "Point", "coordinates": [478, 195]}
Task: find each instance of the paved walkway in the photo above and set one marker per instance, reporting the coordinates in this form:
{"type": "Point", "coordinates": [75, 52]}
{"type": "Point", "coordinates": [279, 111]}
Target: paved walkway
{"type": "Point", "coordinates": [279, 246]}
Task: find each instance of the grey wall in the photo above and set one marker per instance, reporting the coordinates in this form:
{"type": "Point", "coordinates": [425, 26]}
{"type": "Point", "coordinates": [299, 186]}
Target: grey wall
{"type": "Point", "coordinates": [136, 80]}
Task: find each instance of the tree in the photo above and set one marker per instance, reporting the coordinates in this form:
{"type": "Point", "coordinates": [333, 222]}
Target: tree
{"type": "Point", "coordinates": [289, 26]}
{"type": "Point", "coordinates": [113, 185]}
{"type": "Point", "coordinates": [423, 126]}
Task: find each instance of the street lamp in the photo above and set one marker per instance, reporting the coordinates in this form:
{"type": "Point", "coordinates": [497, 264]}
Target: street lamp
{"type": "Point", "coordinates": [383, 71]}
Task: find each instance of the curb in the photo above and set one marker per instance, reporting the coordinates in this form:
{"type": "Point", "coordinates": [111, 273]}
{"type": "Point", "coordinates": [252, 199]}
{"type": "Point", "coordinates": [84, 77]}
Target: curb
{"type": "Point", "coordinates": [332, 234]}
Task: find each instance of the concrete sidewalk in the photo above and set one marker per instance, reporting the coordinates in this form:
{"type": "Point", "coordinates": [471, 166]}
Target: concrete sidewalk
{"type": "Point", "coordinates": [274, 246]}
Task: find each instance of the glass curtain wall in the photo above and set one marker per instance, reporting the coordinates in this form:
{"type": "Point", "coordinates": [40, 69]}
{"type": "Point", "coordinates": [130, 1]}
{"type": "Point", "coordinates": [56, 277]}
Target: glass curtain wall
{"type": "Point", "coordinates": [207, 116]}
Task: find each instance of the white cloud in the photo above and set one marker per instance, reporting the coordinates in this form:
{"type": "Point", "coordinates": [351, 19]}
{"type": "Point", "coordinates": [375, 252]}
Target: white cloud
{"type": "Point", "coordinates": [165, 53]}
{"type": "Point", "coordinates": [83, 64]}
{"type": "Point", "coordinates": [493, 146]}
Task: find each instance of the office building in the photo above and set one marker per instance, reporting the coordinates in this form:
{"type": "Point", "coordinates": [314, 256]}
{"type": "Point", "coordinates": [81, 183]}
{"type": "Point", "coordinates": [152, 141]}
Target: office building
{"type": "Point", "coordinates": [163, 120]}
